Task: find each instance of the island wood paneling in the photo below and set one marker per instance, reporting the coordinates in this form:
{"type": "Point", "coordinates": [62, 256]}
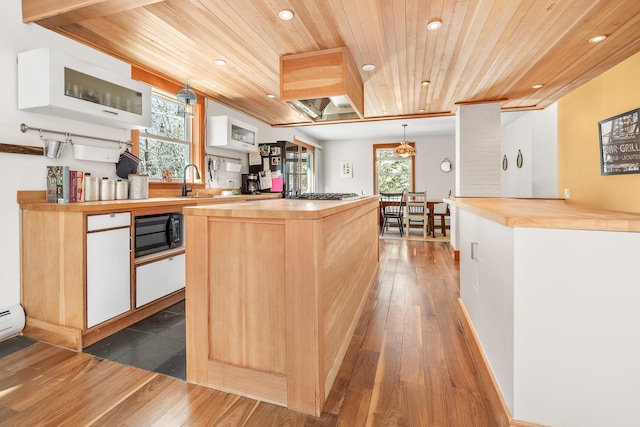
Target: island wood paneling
{"type": "Point", "coordinates": [275, 272]}
{"type": "Point", "coordinates": [247, 294]}
{"type": "Point", "coordinates": [348, 266]}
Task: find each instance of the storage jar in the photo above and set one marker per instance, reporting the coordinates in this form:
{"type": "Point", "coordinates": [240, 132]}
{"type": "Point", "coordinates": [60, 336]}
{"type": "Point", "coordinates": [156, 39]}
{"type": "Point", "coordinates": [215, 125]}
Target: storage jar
{"type": "Point", "coordinates": [122, 189]}
{"type": "Point", "coordinates": [91, 188]}
{"type": "Point", "coordinates": [107, 189]}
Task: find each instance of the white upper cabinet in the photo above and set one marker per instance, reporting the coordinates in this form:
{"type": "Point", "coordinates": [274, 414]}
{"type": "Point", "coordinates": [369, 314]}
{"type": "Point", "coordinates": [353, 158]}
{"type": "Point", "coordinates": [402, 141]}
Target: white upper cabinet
{"type": "Point", "coordinates": [232, 134]}
{"type": "Point", "coordinates": [53, 83]}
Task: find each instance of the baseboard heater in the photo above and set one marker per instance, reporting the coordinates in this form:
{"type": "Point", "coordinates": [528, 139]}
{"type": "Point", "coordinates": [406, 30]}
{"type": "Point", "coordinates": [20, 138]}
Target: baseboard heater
{"type": "Point", "coordinates": [11, 321]}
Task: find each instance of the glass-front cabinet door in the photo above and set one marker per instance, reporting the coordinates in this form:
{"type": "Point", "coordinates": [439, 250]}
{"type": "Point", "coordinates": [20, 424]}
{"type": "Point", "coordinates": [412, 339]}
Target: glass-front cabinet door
{"type": "Point", "coordinates": [54, 83]}
{"type": "Point", "coordinates": [92, 89]}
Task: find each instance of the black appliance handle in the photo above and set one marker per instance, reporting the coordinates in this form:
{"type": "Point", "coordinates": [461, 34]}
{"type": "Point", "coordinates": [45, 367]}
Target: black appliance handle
{"type": "Point", "coordinates": [172, 231]}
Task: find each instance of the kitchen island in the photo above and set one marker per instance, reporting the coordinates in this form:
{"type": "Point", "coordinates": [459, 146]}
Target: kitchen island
{"type": "Point", "coordinates": [549, 294]}
{"type": "Point", "coordinates": [274, 292]}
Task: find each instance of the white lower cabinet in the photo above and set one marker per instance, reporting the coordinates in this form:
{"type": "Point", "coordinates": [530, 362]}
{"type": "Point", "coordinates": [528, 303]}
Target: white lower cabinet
{"type": "Point", "coordinates": [108, 274]}
{"type": "Point", "coordinates": [159, 278]}
{"type": "Point", "coordinates": [487, 291]}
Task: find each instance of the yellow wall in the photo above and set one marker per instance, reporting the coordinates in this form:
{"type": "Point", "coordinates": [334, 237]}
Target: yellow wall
{"type": "Point", "coordinates": [614, 92]}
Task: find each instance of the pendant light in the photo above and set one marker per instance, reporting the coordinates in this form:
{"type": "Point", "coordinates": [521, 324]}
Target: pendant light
{"type": "Point", "coordinates": [188, 98]}
{"type": "Point", "coordinates": [404, 149]}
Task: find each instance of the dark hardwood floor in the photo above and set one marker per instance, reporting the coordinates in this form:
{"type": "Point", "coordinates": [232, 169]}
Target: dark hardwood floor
{"type": "Point", "coordinates": [407, 365]}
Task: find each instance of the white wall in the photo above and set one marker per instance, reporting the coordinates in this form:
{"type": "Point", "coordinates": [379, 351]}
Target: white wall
{"type": "Point", "coordinates": [535, 135]}
{"type": "Point", "coordinates": [430, 153]}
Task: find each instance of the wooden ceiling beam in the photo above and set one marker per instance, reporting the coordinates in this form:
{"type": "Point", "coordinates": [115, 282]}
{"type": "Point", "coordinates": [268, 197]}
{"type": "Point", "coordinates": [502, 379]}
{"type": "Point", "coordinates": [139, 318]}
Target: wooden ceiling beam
{"type": "Point", "coordinates": [53, 14]}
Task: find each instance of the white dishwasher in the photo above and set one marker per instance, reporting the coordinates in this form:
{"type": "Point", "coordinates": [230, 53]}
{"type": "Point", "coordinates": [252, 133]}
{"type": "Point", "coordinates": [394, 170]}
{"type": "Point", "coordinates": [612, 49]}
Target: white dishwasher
{"type": "Point", "coordinates": [108, 266]}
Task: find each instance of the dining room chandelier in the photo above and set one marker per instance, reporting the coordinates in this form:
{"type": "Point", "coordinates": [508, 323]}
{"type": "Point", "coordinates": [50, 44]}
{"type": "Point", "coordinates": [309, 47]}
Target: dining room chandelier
{"type": "Point", "coordinates": [188, 98]}
{"type": "Point", "coordinates": [404, 149]}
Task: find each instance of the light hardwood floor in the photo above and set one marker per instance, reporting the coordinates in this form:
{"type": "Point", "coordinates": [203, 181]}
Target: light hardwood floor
{"type": "Point", "coordinates": [407, 365]}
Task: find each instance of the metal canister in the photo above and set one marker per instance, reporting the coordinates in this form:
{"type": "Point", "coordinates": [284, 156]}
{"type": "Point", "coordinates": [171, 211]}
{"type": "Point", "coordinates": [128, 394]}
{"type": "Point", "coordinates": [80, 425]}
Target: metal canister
{"type": "Point", "coordinates": [91, 188]}
{"type": "Point", "coordinates": [107, 189]}
{"type": "Point", "coordinates": [122, 189]}
{"type": "Point", "coordinates": [138, 186]}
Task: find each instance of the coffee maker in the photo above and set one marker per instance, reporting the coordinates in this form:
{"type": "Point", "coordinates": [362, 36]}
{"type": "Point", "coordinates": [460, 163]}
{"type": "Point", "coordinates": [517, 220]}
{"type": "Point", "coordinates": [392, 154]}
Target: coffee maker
{"type": "Point", "coordinates": [250, 183]}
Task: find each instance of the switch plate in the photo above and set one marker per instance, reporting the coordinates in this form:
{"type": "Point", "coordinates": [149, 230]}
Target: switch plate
{"type": "Point", "coordinates": [567, 193]}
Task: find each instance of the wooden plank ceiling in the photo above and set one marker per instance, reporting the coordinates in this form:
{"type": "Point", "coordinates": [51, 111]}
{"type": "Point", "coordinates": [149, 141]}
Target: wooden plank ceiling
{"type": "Point", "coordinates": [486, 50]}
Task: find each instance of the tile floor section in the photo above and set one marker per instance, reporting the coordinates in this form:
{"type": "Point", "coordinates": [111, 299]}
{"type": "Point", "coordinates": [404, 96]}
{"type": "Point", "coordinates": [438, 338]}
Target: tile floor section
{"type": "Point", "coordinates": [11, 345]}
{"type": "Point", "coordinates": [156, 344]}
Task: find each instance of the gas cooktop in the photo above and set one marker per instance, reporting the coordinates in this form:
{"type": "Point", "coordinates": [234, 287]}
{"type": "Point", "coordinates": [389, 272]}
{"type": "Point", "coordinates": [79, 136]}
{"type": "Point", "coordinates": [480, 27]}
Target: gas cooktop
{"type": "Point", "coordinates": [325, 196]}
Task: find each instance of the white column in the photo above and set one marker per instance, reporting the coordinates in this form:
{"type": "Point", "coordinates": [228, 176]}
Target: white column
{"type": "Point", "coordinates": [478, 150]}
{"type": "Point", "coordinates": [478, 160]}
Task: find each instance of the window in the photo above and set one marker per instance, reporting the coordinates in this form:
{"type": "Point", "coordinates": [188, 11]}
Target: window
{"type": "Point", "coordinates": [165, 147]}
{"type": "Point", "coordinates": [393, 174]}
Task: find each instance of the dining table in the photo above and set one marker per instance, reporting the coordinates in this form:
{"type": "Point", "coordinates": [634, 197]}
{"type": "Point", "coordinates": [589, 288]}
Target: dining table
{"type": "Point", "coordinates": [431, 203]}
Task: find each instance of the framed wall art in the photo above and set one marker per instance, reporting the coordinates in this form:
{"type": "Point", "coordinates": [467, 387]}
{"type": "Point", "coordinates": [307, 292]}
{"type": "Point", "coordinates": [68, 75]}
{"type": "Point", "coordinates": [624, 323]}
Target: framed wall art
{"type": "Point", "coordinates": [620, 144]}
{"type": "Point", "coordinates": [346, 170]}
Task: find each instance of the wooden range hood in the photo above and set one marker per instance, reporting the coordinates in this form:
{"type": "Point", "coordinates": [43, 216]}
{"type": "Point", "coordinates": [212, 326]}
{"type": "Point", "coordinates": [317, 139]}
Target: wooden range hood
{"type": "Point", "coordinates": [323, 85]}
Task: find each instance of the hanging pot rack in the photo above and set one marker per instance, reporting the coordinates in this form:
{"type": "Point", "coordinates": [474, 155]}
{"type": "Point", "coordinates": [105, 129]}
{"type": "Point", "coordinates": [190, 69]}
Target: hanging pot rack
{"type": "Point", "coordinates": [24, 128]}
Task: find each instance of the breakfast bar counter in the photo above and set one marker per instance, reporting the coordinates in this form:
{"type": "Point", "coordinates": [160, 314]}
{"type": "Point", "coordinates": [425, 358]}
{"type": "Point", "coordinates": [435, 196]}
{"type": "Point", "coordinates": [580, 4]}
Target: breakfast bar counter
{"type": "Point", "coordinates": [547, 213]}
{"type": "Point", "coordinates": [274, 293]}
{"type": "Point", "coordinates": [549, 295]}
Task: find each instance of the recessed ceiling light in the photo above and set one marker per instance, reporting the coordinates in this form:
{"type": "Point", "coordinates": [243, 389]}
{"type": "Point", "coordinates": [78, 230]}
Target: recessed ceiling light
{"type": "Point", "coordinates": [597, 39]}
{"type": "Point", "coordinates": [422, 110]}
{"type": "Point", "coordinates": [425, 83]}
{"type": "Point", "coordinates": [285, 15]}
{"type": "Point", "coordinates": [434, 25]}
{"type": "Point", "coordinates": [272, 96]}
{"type": "Point", "coordinates": [538, 86]}
{"type": "Point", "coordinates": [368, 67]}
{"type": "Point", "coordinates": [220, 62]}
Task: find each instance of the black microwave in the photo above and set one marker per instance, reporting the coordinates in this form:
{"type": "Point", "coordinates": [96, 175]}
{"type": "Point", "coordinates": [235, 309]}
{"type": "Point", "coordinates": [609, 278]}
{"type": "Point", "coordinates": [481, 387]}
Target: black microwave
{"type": "Point", "coordinates": [156, 233]}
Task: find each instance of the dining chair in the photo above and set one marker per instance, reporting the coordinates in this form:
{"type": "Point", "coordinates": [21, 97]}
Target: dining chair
{"type": "Point", "coordinates": [441, 211]}
{"type": "Point", "coordinates": [391, 209]}
{"type": "Point", "coordinates": [416, 212]}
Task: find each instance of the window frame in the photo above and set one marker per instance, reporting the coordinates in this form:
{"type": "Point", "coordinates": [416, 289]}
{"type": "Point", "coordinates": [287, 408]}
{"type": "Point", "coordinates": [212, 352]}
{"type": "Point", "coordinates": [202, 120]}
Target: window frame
{"type": "Point", "coordinates": [386, 146]}
{"type": "Point", "coordinates": [157, 187]}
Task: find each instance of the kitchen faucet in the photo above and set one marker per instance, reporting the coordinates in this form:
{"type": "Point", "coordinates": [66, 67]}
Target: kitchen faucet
{"type": "Point", "coordinates": [184, 179]}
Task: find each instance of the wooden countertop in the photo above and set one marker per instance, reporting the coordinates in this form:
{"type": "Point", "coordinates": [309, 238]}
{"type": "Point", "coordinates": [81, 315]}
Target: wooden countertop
{"type": "Point", "coordinates": [121, 205]}
{"type": "Point", "coordinates": [547, 213]}
{"type": "Point", "coordinates": [279, 209]}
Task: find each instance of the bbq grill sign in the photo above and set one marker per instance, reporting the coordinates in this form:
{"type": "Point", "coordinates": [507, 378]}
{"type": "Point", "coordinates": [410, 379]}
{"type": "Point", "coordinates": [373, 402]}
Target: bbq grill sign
{"type": "Point", "coordinates": [620, 144]}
